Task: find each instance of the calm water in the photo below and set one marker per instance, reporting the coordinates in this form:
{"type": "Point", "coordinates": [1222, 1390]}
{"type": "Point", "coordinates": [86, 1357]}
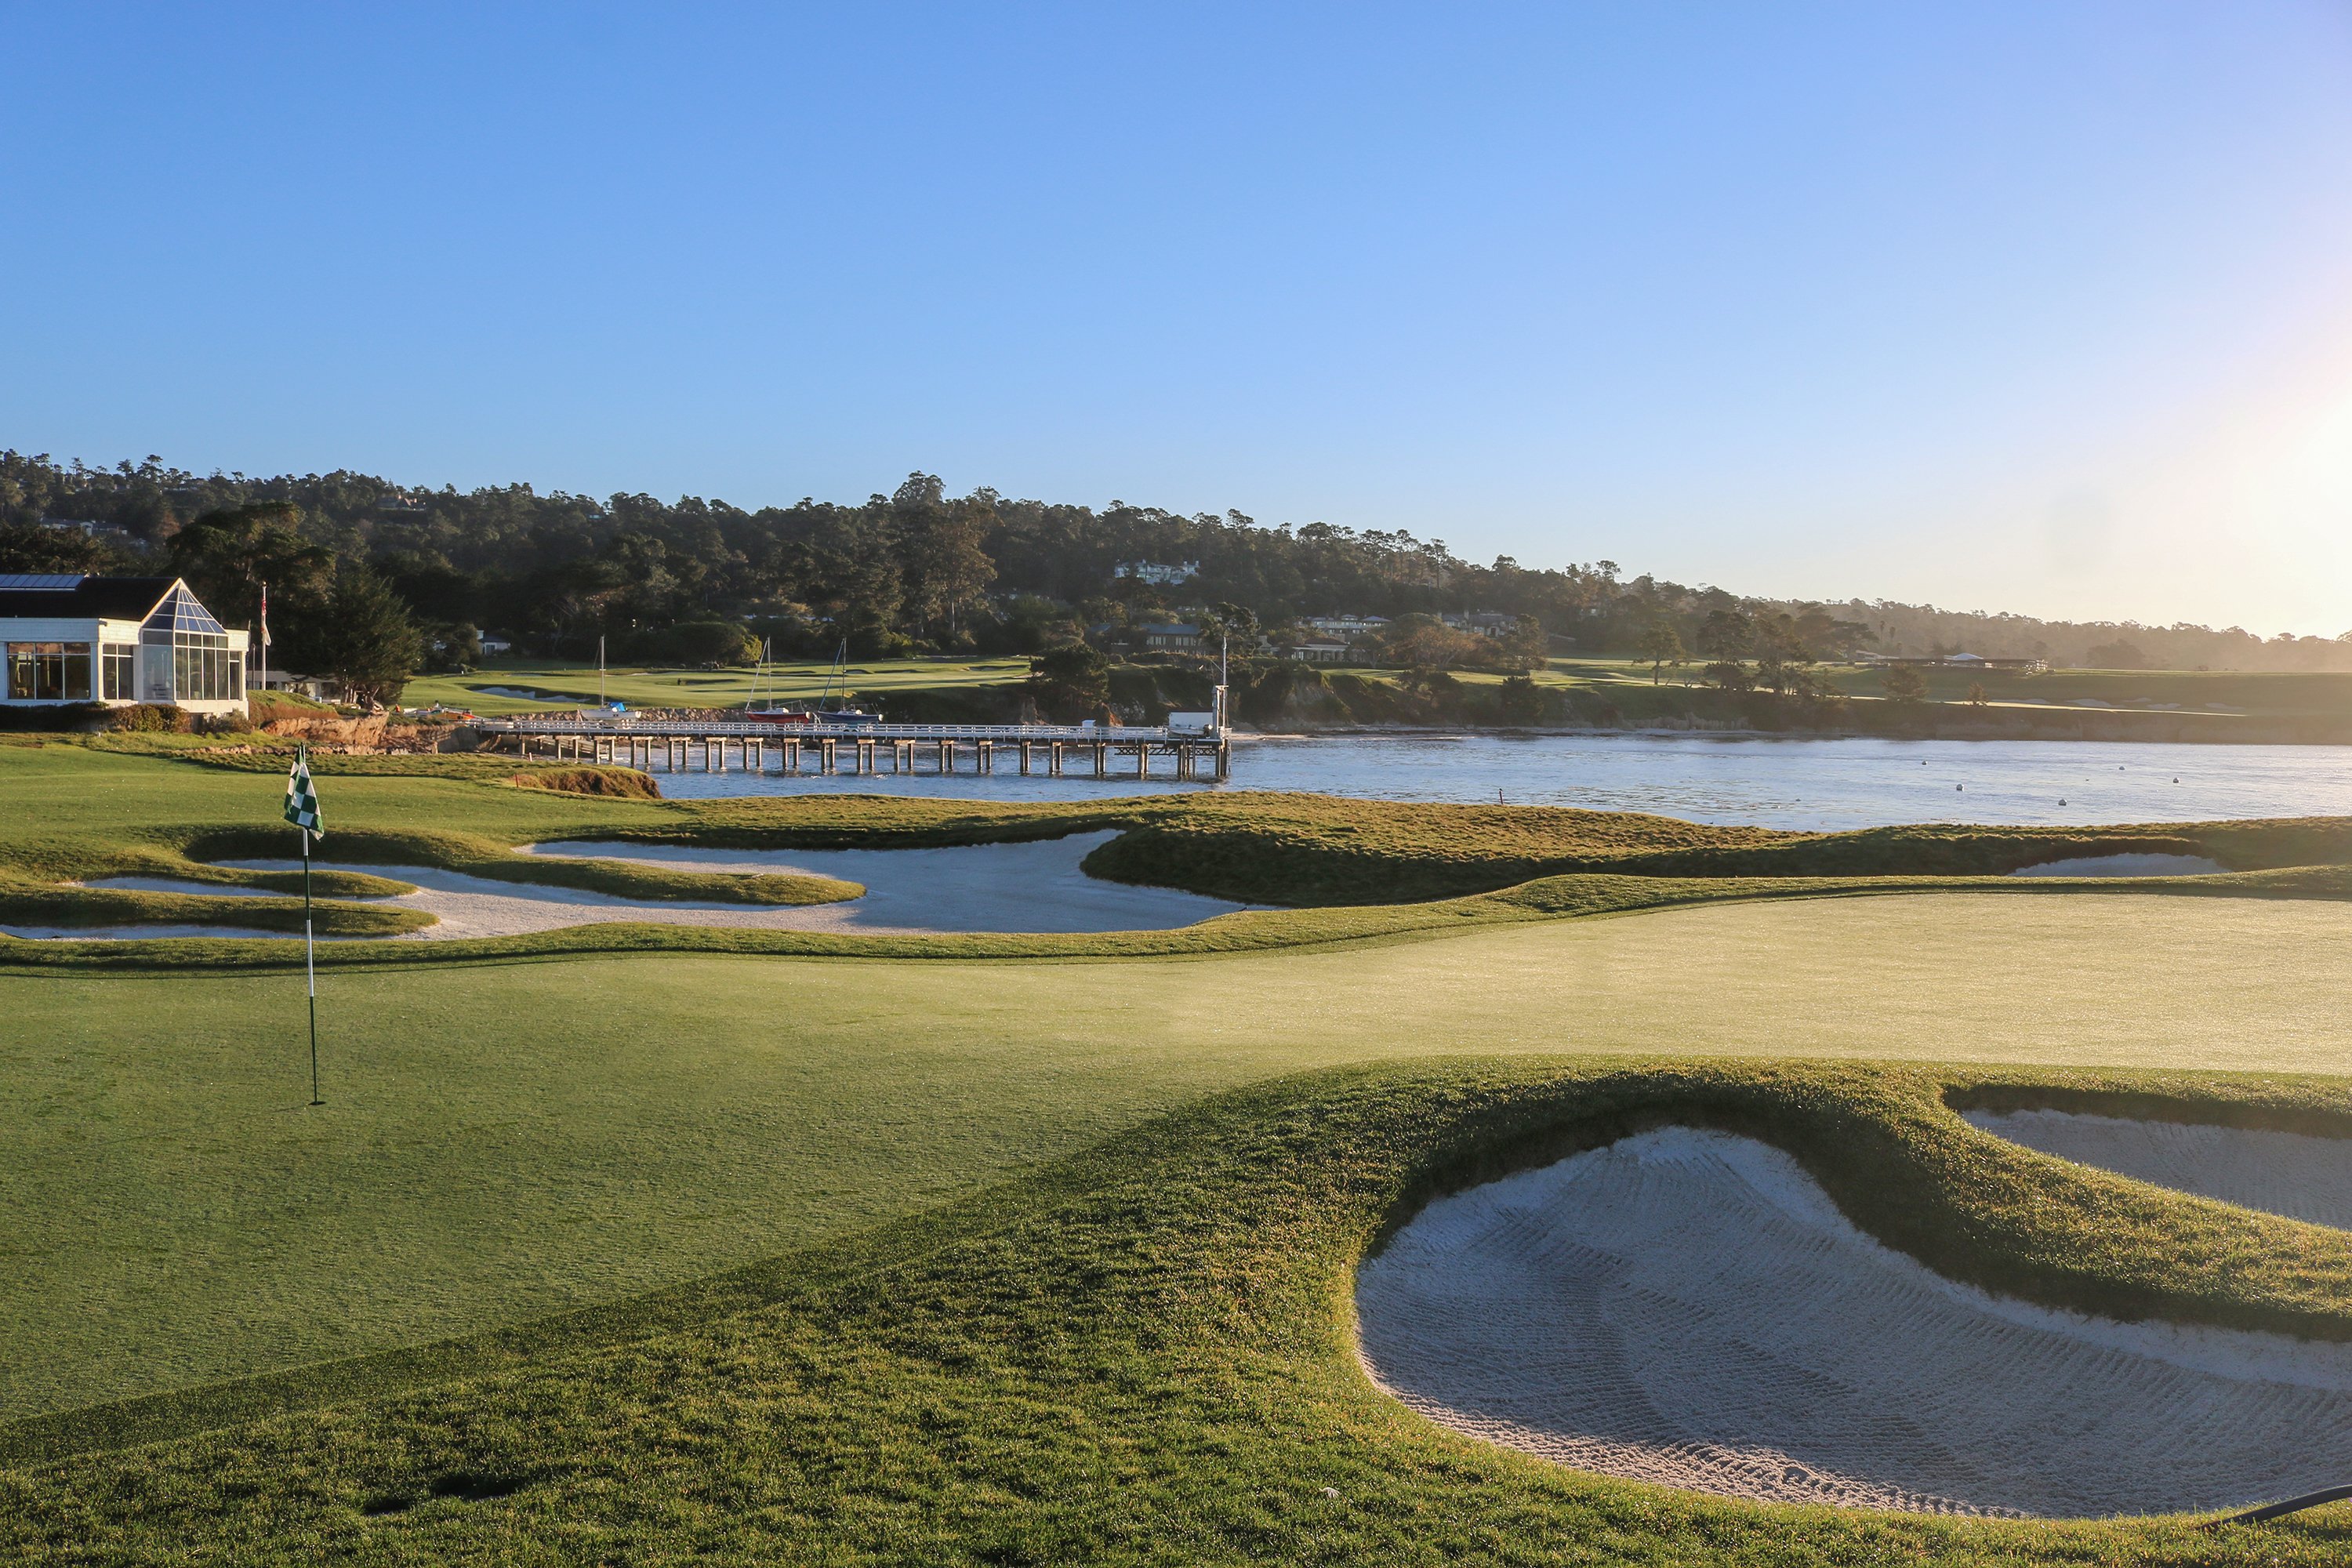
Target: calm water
{"type": "Point", "coordinates": [1777, 783]}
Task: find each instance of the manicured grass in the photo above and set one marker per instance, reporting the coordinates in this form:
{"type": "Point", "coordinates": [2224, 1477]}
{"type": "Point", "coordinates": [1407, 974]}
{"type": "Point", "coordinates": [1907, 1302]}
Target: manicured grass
{"type": "Point", "coordinates": [641, 687]}
{"type": "Point", "coordinates": [84, 813]}
{"type": "Point", "coordinates": [502, 1140]}
{"type": "Point", "coordinates": [1143, 1355]}
{"type": "Point", "coordinates": [1361, 869]}
{"type": "Point", "coordinates": [2258, 693]}
{"type": "Point", "coordinates": [949, 1261]}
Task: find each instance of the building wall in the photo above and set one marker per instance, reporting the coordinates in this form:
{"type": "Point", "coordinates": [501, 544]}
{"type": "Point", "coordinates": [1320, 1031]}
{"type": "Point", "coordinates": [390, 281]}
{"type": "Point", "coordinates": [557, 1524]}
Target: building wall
{"type": "Point", "coordinates": [153, 679]}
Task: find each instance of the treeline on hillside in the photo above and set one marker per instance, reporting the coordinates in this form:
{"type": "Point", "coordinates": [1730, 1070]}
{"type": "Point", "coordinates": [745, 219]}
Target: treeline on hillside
{"type": "Point", "coordinates": [914, 571]}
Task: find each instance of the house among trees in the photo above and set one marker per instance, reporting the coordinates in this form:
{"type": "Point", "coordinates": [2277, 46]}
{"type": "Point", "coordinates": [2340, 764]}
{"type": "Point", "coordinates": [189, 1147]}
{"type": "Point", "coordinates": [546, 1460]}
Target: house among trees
{"type": "Point", "coordinates": [1320, 650]}
{"type": "Point", "coordinates": [1159, 574]}
{"type": "Point", "coordinates": [1173, 636]}
{"type": "Point", "coordinates": [116, 641]}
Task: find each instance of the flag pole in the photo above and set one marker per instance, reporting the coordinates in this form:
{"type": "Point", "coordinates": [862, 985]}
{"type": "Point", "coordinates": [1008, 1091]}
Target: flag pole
{"type": "Point", "coordinates": [309, 954]}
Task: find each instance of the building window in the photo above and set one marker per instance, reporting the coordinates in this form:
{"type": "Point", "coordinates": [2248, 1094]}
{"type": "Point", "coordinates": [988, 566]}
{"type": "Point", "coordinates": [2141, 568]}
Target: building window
{"type": "Point", "coordinates": [201, 669]}
{"type": "Point", "coordinates": [49, 671]}
{"type": "Point", "coordinates": [118, 659]}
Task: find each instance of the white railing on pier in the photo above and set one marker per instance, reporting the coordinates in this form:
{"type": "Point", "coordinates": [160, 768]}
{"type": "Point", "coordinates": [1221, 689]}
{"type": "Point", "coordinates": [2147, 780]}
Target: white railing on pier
{"type": "Point", "coordinates": [1125, 735]}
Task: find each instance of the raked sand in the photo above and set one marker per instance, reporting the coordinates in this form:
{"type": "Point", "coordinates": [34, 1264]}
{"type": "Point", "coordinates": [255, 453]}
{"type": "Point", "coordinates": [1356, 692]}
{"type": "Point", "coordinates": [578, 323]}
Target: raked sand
{"type": "Point", "coordinates": [1689, 1308]}
{"type": "Point", "coordinates": [2290, 1173]}
{"type": "Point", "coordinates": [1033, 887]}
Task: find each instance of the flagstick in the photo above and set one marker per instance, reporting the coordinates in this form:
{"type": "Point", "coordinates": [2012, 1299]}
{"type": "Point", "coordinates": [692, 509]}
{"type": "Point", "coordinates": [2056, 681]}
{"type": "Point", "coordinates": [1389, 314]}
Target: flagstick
{"type": "Point", "coordinates": [310, 965]}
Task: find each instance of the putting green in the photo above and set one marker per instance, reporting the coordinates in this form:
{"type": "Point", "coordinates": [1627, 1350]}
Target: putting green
{"type": "Point", "coordinates": [502, 1141]}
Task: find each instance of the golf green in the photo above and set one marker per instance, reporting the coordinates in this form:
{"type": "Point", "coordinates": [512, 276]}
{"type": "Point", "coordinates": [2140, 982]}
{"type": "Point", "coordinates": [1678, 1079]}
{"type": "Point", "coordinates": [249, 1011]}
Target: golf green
{"type": "Point", "coordinates": [499, 1142]}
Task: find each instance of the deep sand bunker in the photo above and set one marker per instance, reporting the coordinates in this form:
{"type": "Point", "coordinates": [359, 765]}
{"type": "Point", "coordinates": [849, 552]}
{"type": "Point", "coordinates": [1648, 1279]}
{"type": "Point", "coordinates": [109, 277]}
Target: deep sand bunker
{"type": "Point", "coordinates": [1030, 887]}
{"type": "Point", "coordinates": [2125, 866]}
{"type": "Point", "coordinates": [1690, 1308]}
{"type": "Point", "coordinates": [2290, 1173]}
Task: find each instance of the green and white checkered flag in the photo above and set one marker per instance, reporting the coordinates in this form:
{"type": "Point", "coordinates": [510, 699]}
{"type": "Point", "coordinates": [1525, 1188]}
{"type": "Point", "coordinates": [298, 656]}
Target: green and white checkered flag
{"type": "Point", "coordinates": [302, 799]}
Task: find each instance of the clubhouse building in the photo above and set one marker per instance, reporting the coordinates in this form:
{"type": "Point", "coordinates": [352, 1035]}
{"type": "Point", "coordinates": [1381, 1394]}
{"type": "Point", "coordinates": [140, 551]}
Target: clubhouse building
{"type": "Point", "coordinates": [115, 641]}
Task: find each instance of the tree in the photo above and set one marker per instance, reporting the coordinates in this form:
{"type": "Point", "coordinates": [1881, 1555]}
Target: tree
{"type": "Point", "coordinates": [367, 640]}
{"type": "Point", "coordinates": [1727, 634]}
{"type": "Point", "coordinates": [29, 547]}
{"type": "Point", "coordinates": [1232, 629]}
{"type": "Point", "coordinates": [227, 554]}
{"type": "Point", "coordinates": [1730, 674]}
{"type": "Point", "coordinates": [1662, 646]}
{"type": "Point", "coordinates": [1903, 684]}
{"type": "Point", "coordinates": [1070, 683]}
{"type": "Point", "coordinates": [1977, 696]}
{"type": "Point", "coordinates": [2119, 654]}
{"type": "Point", "coordinates": [1527, 644]}
{"type": "Point", "coordinates": [1424, 642]}
{"type": "Point", "coordinates": [1784, 663]}
{"type": "Point", "coordinates": [1521, 700]}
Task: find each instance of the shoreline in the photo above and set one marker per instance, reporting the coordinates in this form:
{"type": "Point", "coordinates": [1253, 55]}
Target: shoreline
{"type": "Point", "coordinates": [2158, 731]}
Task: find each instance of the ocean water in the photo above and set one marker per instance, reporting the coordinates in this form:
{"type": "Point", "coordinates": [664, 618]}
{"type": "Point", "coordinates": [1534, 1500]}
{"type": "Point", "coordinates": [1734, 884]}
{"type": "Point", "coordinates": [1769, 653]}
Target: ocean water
{"type": "Point", "coordinates": [1799, 784]}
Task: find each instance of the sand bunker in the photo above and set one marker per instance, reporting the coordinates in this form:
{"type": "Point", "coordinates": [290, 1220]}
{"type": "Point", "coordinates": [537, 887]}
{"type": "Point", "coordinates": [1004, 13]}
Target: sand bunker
{"type": "Point", "coordinates": [1689, 1308]}
{"type": "Point", "coordinates": [137, 932]}
{"type": "Point", "coordinates": [2124, 866]}
{"type": "Point", "coordinates": [981, 888]}
{"type": "Point", "coordinates": [1033, 887]}
{"type": "Point", "coordinates": [2290, 1173]}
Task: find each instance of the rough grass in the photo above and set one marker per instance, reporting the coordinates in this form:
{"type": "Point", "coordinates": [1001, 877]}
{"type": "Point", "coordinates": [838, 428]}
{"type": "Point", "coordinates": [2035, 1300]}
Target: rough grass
{"type": "Point", "coordinates": [1143, 1355]}
{"type": "Point", "coordinates": [1320, 849]}
{"type": "Point", "coordinates": [623, 784]}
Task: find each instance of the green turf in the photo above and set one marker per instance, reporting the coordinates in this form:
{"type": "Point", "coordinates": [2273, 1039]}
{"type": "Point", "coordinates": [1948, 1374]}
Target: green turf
{"type": "Point", "coordinates": [2255, 693]}
{"type": "Point", "coordinates": [506, 1140]}
{"type": "Point", "coordinates": [1142, 1355]}
{"type": "Point", "coordinates": [573, 684]}
{"type": "Point", "coordinates": [1136, 1356]}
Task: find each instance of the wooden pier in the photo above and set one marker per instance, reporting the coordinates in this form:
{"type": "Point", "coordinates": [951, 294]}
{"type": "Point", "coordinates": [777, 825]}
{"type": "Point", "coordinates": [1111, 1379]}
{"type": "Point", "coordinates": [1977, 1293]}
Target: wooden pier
{"type": "Point", "coordinates": [1054, 751]}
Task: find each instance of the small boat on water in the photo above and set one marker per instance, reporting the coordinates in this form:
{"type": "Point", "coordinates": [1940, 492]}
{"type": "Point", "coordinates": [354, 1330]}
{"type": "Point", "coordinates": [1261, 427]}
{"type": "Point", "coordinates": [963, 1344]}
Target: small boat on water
{"type": "Point", "coordinates": [832, 704]}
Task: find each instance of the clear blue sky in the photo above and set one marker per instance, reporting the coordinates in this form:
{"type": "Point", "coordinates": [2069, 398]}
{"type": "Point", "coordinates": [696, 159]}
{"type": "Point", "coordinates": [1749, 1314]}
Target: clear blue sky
{"type": "Point", "coordinates": [2034, 307]}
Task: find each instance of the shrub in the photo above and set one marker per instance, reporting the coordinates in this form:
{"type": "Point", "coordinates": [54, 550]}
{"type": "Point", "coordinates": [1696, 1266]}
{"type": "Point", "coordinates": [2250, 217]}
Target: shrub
{"type": "Point", "coordinates": [146, 718]}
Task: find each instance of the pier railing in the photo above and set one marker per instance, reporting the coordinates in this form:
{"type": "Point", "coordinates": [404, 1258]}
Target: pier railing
{"type": "Point", "coordinates": [1115, 736]}
{"type": "Point", "coordinates": [672, 743]}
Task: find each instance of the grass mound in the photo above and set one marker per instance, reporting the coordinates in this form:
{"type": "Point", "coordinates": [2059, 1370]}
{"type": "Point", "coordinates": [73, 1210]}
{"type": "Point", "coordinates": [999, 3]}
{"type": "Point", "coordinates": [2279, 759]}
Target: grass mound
{"type": "Point", "coordinates": [620, 783]}
{"type": "Point", "coordinates": [1144, 1353]}
{"type": "Point", "coordinates": [1322, 849]}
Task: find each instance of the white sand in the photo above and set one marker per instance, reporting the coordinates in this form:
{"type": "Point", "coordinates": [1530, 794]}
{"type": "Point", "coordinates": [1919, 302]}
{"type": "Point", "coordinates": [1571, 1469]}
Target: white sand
{"type": "Point", "coordinates": [2289, 1173]}
{"type": "Point", "coordinates": [135, 934]}
{"type": "Point", "coordinates": [2124, 866]}
{"type": "Point", "coordinates": [1032, 887]}
{"type": "Point", "coordinates": [1689, 1308]}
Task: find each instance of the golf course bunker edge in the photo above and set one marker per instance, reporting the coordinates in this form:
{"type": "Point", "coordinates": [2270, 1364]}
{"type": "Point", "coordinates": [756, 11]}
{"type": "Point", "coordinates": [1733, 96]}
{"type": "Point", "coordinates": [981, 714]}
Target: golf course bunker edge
{"type": "Point", "coordinates": [2296, 1175]}
{"type": "Point", "coordinates": [1690, 1308]}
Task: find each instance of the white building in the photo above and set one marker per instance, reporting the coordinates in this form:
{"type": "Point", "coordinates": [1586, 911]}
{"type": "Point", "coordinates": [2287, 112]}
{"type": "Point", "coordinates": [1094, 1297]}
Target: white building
{"type": "Point", "coordinates": [1345, 626]}
{"type": "Point", "coordinates": [1160, 573]}
{"type": "Point", "coordinates": [117, 640]}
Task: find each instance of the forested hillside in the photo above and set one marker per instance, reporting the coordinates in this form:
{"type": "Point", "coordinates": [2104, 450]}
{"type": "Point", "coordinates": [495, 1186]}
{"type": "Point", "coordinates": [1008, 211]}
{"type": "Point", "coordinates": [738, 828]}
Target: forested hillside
{"type": "Point", "coordinates": [917, 569]}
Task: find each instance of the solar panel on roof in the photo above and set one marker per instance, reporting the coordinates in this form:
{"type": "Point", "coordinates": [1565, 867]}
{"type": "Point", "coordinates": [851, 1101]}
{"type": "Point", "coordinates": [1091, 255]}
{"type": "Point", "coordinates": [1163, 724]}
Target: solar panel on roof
{"type": "Point", "coordinates": [40, 581]}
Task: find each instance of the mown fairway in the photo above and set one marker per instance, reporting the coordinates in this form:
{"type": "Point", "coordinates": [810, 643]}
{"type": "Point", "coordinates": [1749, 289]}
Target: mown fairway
{"type": "Point", "coordinates": [502, 1140]}
{"type": "Point", "coordinates": [664, 686]}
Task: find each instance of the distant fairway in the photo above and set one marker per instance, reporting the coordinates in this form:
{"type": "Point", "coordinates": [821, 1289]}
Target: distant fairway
{"type": "Point", "coordinates": [504, 1140]}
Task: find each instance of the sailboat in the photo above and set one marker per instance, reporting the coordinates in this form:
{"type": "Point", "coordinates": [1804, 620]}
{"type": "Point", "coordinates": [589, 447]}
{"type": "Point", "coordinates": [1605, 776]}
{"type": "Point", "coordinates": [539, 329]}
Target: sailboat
{"type": "Point", "coordinates": [832, 704]}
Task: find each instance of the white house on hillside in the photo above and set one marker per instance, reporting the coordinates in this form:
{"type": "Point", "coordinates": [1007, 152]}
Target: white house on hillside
{"type": "Point", "coordinates": [117, 640]}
